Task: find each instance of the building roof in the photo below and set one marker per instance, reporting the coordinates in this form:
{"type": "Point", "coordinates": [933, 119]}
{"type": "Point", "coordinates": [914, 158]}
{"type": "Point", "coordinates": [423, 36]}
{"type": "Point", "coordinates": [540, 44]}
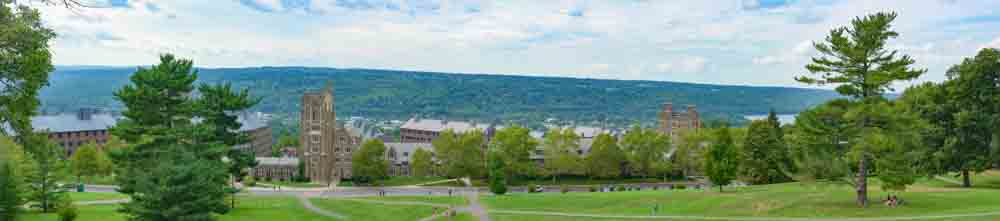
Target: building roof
{"type": "Point", "coordinates": [252, 121]}
{"type": "Point", "coordinates": [277, 161]}
{"type": "Point", "coordinates": [589, 132]}
{"type": "Point", "coordinates": [71, 122]}
{"type": "Point", "coordinates": [441, 125]}
{"type": "Point", "coordinates": [408, 148]}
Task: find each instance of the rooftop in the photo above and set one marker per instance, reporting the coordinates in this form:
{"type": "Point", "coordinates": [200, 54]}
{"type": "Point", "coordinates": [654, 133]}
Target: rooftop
{"type": "Point", "coordinates": [442, 125]}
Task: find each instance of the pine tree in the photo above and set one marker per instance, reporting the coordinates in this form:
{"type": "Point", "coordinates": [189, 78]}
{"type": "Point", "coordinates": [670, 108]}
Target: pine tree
{"type": "Point", "coordinates": [856, 59]}
{"type": "Point", "coordinates": [48, 171]}
{"type": "Point", "coordinates": [173, 168]}
{"type": "Point", "coordinates": [721, 159]}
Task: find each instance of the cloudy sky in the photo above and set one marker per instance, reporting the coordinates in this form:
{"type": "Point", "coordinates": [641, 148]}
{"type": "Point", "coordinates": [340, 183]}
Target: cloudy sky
{"type": "Point", "coordinates": [755, 42]}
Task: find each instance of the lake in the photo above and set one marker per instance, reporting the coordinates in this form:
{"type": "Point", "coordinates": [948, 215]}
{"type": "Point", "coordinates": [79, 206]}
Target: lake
{"type": "Point", "coordinates": [783, 118]}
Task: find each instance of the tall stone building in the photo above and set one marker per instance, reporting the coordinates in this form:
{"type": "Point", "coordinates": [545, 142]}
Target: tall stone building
{"type": "Point", "coordinates": [327, 158]}
{"type": "Point", "coordinates": [671, 122]}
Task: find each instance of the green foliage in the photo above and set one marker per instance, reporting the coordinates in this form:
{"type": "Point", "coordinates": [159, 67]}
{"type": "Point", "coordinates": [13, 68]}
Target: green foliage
{"type": "Point", "coordinates": [89, 160]}
{"type": "Point", "coordinates": [515, 145]}
{"type": "Point", "coordinates": [765, 156]}
{"type": "Point", "coordinates": [368, 163]}
{"type": "Point", "coordinates": [972, 90]}
{"type": "Point", "coordinates": [645, 149]}
{"type": "Point", "coordinates": [722, 159]}
{"type": "Point", "coordinates": [46, 174]}
{"type": "Point", "coordinates": [819, 142]}
{"type": "Point", "coordinates": [498, 177]}
{"type": "Point", "coordinates": [856, 59]}
{"type": "Point", "coordinates": [67, 210]}
{"type": "Point", "coordinates": [606, 159]}
{"type": "Point", "coordinates": [689, 158]}
{"type": "Point", "coordinates": [173, 168]}
{"type": "Point", "coordinates": [286, 140]}
{"type": "Point", "coordinates": [26, 64]}
{"type": "Point", "coordinates": [461, 155]}
{"type": "Point", "coordinates": [422, 164]}
{"type": "Point", "coordinates": [13, 187]}
{"type": "Point", "coordinates": [562, 157]}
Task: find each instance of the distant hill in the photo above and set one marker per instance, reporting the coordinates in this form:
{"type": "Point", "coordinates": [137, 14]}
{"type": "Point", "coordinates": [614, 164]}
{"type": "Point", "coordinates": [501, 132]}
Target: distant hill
{"type": "Point", "coordinates": [389, 94]}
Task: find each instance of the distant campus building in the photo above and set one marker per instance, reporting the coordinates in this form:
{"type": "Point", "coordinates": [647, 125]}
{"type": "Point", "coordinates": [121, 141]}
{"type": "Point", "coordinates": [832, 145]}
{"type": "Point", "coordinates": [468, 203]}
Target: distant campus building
{"type": "Point", "coordinates": [671, 122]}
{"type": "Point", "coordinates": [327, 147]}
{"type": "Point", "coordinates": [417, 130]}
{"type": "Point", "coordinates": [73, 130]}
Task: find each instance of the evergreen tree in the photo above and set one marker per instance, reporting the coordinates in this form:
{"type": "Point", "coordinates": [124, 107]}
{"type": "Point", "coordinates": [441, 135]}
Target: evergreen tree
{"type": "Point", "coordinates": [26, 64]}
{"type": "Point", "coordinates": [48, 172]}
{"type": "Point", "coordinates": [498, 179]}
{"type": "Point", "coordinates": [765, 155]}
{"type": "Point", "coordinates": [645, 149]}
{"type": "Point", "coordinates": [561, 152]}
{"type": "Point", "coordinates": [515, 145]}
{"type": "Point", "coordinates": [422, 165]}
{"type": "Point", "coordinates": [13, 187]}
{"type": "Point", "coordinates": [368, 163]}
{"type": "Point", "coordinates": [88, 160]}
{"type": "Point", "coordinates": [173, 168]}
{"type": "Point", "coordinates": [856, 59]}
{"type": "Point", "coordinates": [721, 160]}
{"type": "Point", "coordinates": [605, 160]}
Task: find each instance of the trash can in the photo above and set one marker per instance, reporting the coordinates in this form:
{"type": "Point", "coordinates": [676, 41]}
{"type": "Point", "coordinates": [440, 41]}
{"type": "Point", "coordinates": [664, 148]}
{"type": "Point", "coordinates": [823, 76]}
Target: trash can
{"type": "Point", "coordinates": [80, 188]}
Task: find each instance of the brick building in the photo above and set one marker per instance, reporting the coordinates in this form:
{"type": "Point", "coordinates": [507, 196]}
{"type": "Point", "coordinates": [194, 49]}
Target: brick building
{"type": "Point", "coordinates": [417, 130]}
{"type": "Point", "coordinates": [72, 130]}
{"type": "Point", "coordinates": [672, 122]}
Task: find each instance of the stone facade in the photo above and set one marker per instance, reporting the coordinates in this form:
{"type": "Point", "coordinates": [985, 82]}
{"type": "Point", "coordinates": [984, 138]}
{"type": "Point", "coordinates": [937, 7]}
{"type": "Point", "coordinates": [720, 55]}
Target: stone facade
{"type": "Point", "coordinates": [671, 122]}
{"type": "Point", "coordinates": [276, 168]}
{"type": "Point", "coordinates": [400, 156]}
{"type": "Point", "coordinates": [326, 147]}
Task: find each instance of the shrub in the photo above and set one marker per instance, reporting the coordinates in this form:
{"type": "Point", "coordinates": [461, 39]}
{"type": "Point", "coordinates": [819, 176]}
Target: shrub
{"type": "Point", "coordinates": [67, 210]}
{"type": "Point", "coordinates": [680, 186]}
{"type": "Point", "coordinates": [564, 188]}
{"type": "Point", "coordinates": [619, 188]}
{"type": "Point", "coordinates": [593, 189]}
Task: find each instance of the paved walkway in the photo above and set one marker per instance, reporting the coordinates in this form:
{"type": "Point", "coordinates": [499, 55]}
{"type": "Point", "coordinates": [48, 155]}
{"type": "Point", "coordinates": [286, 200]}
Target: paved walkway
{"type": "Point", "coordinates": [584, 215]}
{"type": "Point", "coordinates": [101, 202]}
{"type": "Point", "coordinates": [475, 207]}
{"type": "Point", "coordinates": [308, 205]}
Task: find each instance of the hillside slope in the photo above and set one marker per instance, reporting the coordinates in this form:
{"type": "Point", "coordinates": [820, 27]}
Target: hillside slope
{"type": "Point", "coordinates": [387, 94]}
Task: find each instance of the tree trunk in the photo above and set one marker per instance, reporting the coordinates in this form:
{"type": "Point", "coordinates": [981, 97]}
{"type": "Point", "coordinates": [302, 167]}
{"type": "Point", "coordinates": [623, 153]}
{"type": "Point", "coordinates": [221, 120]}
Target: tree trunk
{"type": "Point", "coordinates": [966, 180]}
{"type": "Point", "coordinates": [862, 188]}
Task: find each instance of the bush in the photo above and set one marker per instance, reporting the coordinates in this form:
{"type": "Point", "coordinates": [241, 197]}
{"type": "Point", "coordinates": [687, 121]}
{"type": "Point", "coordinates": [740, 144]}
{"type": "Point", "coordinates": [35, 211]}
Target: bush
{"type": "Point", "coordinates": [67, 210]}
{"type": "Point", "coordinates": [680, 186]}
{"type": "Point", "coordinates": [593, 189]}
{"type": "Point", "coordinates": [564, 188]}
{"type": "Point", "coordinates": [619, 188]}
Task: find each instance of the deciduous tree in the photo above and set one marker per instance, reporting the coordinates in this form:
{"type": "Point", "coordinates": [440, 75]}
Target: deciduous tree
{"type": "Point", "coordinates": [562, 156]}
{"type": "Point", "coordinates": [46, 174]}
{"type": "Point", "coordinates": [721, 160]}
{"type": "Point", "coordinates": [89, 160]}
{"type": "Point", "coordinates": [423, 164]}
{"type": "Point", "coordinates": [13, 187]}
{"type": "Point", "coordinates": [369, 163]}
{"type": "Point", "coordinates": [644, 149]}
{"type": "Point", "coordinates": [515, 145]}
{"type": "Point", "coordinates": [498, 177]}
{"type": "Point", "coordinates": [25, 69]}
{"type": "Point", "coordinates": [461, 155]}
{"type": "Point", "coordinates": [605, 160]}
{"type": "Point", "coordinates": [765, 155]}
{"type": "Point", "coordinates": [856, 59]}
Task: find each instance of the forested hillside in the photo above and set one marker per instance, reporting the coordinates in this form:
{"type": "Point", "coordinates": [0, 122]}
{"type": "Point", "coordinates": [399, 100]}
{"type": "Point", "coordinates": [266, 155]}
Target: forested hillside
{"type": "Point", "coordinates": [387, 94]}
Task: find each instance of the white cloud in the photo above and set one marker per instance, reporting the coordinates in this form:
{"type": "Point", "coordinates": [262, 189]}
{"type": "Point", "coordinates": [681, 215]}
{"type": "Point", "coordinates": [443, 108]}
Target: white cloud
{"type": "Point", "coordinates": [725, 41]}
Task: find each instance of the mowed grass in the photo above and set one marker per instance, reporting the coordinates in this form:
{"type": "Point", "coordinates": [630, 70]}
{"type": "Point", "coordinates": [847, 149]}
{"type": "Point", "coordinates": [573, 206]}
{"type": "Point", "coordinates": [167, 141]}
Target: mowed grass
{"type": "Point", "coordinates": [92, 196]}
{"type": "Point", "coordinates": [461, 217]}
{"type": "Point", "coordinates": [509, 217]}
{"type": "Point", "coordinates": [989, 179]}
{"type": "Point", "coordinates": [355, 210]}
{"type": "Point", "coordinates": [248, 209]}
{"type": "Point", "coordinates": [449, 200]}
{"type": "Point", "coordinates": [780, 200]}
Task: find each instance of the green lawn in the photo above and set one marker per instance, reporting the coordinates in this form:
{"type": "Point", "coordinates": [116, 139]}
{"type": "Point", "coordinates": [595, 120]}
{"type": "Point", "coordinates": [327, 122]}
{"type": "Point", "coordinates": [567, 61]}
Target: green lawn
{"type": "Point", "coordinates": [355, 210]}
{"type": "Point", "coordinates": [507, 217]}
{"type": "Point", "coordinates": [249, 209]}
{"type": "Point", "coordinates": [988, 180]}
{"type": "Point", "coordinates": [461, 217]}
{"type": "Point", "coordinates": [91, 196]}
{"type": "Point", "coordinates": [427, 199]}
{"type": "Point", "coordinates": [781, 200]}
{"type": "Point", "coordinates": [408, 180]}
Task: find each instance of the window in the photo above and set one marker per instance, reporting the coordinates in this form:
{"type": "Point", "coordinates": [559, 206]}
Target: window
{"type": "Point", "coordinates": [406, 154]}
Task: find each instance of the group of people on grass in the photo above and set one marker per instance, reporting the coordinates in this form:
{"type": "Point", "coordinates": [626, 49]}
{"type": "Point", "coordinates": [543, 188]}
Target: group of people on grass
{"type": "Point", "coordinates": [893, 201]}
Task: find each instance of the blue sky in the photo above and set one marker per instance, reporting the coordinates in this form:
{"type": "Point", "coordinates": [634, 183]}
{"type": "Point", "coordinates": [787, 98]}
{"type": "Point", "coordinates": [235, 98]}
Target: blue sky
{"type": "Point", "coordinates": [748, 42]}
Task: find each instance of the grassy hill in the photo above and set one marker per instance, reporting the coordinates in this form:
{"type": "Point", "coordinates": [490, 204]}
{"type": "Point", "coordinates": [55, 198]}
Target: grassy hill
{"type": "Point", "coordinates": [388, 94]}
